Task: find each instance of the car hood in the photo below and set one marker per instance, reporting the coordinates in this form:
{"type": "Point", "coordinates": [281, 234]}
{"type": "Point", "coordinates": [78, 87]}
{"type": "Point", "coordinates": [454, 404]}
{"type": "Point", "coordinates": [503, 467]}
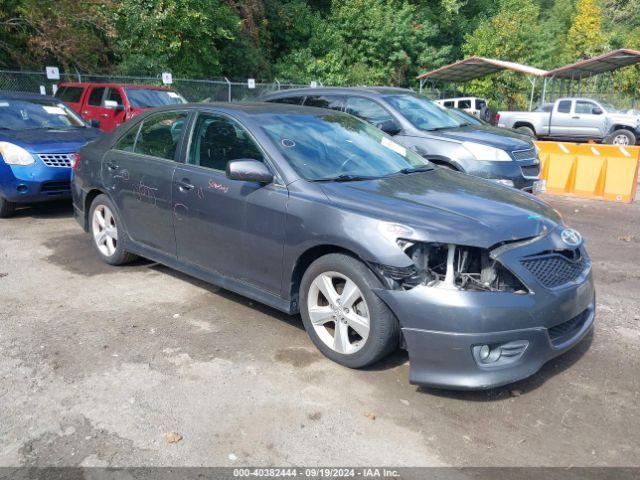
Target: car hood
{"type": "Point", "coordinates": [448, 207]}
{"type": "Point", "coordinates": [50, 141]}
{"type": "Point", "coordinates": [486, 135]}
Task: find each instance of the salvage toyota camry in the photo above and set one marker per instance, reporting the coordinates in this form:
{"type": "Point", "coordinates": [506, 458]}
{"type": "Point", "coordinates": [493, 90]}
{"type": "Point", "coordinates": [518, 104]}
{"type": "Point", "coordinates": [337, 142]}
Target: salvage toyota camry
{"type": "Point", "coordinates": [318, 213]}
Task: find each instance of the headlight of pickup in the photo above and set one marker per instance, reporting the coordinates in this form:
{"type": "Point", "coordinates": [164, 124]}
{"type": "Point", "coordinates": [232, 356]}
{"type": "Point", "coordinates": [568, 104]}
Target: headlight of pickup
{"type": "Point", "coordinates": [15, 155]}
{"type": "Point", "coordinates": [486, 153]}
{"type": "Point", "coordinates": [448, 266]}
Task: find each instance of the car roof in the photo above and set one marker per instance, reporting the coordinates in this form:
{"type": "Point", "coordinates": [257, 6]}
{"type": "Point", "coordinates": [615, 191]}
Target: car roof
{"type": "Point", "coordinates": [247, 108]}
{"type": "Point", "coordinates": [373, 91]}
{"type": "Point", "coordinates": [106, 84]}
{"type": "Point", "coordinates": [10, 95]}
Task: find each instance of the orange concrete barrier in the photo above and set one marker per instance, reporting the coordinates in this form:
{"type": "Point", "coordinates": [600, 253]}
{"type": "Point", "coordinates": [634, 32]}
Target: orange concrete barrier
{"type": "Point", "coordinates": [606, 172]}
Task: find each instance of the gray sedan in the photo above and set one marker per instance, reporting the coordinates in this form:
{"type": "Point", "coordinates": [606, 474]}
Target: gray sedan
{"type": "Point", "coordinates": [319, 213]}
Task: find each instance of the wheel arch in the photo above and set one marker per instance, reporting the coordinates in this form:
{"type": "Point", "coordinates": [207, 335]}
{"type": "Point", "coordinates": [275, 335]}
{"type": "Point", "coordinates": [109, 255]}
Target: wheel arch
{"type": "Point", "coordinates": [524, 124]}
{"type": "Point", "coordinates": [88, 200]}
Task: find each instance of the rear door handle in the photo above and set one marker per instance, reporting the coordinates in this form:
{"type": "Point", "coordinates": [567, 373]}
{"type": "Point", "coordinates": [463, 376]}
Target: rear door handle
{"type": "Point", "coordinates": [112, 166]}
{"type": "Point", "coordinates": [185, 185]}
{"type": "Point", "coordinates": [576, 118]}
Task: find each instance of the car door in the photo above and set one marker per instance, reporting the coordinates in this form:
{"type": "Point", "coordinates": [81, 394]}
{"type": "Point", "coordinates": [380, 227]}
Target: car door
{"type": "Point", "coordinates": [113, 113]}
{"type": "Point", "coordinates": [222, 226]}
{"type": "Point", "coordinates": [138, 171]}
{"type": "Point", "coordinates": [92, 107]}
{"type": "Point", "coordinates": [588, 124]}
{"type": "Point", "coordinates": [562, 123]}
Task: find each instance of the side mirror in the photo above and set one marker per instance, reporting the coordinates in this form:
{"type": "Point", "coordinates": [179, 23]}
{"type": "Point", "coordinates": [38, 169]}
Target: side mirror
{"type": "Point", "coordinates": [94, 123]}
{"type": "Point", "coordinates": [597, 111]}
{"type": "Point", "coordinates": [113, 105]}
{"type": "Point", "coordinates": [390, 127]}
{"type": "Point", "coordinates": [248, 170]}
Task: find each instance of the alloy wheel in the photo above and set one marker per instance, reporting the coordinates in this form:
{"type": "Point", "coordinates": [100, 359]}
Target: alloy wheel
{"type": "Point", "coordinates": [105, 231]}
{"type": "Point", "coordinates": [621, 140]}
{"type": "Point", "coordinates": [338, 312]}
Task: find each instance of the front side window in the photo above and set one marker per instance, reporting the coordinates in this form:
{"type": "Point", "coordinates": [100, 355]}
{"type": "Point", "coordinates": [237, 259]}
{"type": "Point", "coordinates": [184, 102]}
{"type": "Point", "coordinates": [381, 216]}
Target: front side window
{"type": "Point", "coordinates": [464, 104]}
{"type": "Point", "coordinates": [564, 106]}
{"type": "Point", "coordinates": [114, 96]}
{"type": "Point", "coordinates": [160, 134]}
{"type": "Point", "coordinates": [217, 140]}
{"type": "Point", "coordinates": [95, 98]}
{"type": "Point", "coordinates": [332, 102]}
{"type": "Point", "coordinates": [31, 114]}
{"type": "Point", "coordinates": [449, 104]}
{"type": "Point", "coordinates": [336, 146]}
{"type": "Point", "coordinates": [423, 113]}
{"type": "Point", "coordinates": [585, 107]}
{"type": "Point", "coordinates": [368, 110]}
{"type": "Point", "coordinates": [149, 97]}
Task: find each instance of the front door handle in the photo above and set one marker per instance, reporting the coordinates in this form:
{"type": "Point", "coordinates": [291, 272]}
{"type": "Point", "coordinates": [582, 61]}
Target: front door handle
{"type": "Point", "coordinates": [576, 118]}
{"type": "Point", "coordinates": [104, 115]}
{"type": "Point", "coordinates": [185, 185]}
{"type": "Point", "coordinates": [112, 166]}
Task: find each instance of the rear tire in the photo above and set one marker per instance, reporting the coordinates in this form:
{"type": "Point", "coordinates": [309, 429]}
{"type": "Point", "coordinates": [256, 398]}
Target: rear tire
{"type": "Point", "coordinates": [369, 330]}
{"type": "Point", "coordinates": [7, 208]}
{"type": "Point", "coordinates": [527, 130]}
{"type": "Point", "coordinates": [622, 137]}
{"type": "Point", "coordinates": [107, 232]}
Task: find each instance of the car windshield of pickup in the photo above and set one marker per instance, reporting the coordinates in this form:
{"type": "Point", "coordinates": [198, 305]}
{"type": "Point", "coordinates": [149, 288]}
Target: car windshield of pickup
{"type": "Point", "coordinates": [337, 147]}
{"type": "Point", "coordinates": [147, 98]}
{"type": "Point", "coordinates": [608, 107]}
{"type": "Point", "coordinates": [423, 113]}
{"type": "Point", "coordinates": [34, 114]}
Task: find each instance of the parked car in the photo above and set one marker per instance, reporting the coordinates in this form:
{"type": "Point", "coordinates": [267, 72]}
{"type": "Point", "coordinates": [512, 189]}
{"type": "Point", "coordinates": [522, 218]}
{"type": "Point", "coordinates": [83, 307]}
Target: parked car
{"type": "Point", "coordinates": [108, 105]}
{"type": "Point", "coordinates": [320, 213]}
{"type": "Point", "coordinates": [471, 105]}
{"type": "Point", "coordinates": [431, 131]}
{"type": "Point", "coordinates": [576, 119]}
{"type": "Point", "coordinates": [39, 137]}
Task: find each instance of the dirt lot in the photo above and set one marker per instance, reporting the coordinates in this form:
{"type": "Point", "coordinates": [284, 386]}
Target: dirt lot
{"type": "Point", "coordinates": [97, 363]}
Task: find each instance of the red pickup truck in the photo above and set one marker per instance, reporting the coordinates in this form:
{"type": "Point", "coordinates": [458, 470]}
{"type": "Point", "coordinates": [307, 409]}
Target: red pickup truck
{"type": "Point", "coordinates": [107, 105]}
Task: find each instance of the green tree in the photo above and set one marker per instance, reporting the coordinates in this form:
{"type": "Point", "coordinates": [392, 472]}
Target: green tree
{"type": "Point", "coordinates": [586, 38]}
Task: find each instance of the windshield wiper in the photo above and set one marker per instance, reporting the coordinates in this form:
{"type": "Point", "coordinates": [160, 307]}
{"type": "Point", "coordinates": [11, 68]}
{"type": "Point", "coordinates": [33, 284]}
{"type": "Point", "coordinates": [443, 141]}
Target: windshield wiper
{"type": "Point", "coordinates": [423, 168]}
{"type": "Point", "coordinates": [344, 178]}
{"type": "Point", "coordinates": [438, 128]}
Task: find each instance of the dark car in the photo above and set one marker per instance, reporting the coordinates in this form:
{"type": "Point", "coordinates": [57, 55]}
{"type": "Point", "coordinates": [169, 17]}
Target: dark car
{"type": "Point", "coordinates": [39, 137]}
{"type": "Point", "coordinates": [318, 212]}
{"type": "Point", "coordinates": [431, 131]}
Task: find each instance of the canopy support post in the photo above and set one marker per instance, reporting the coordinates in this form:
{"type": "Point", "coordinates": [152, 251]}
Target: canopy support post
{"type": "Point", "coordinates": [533, 89]}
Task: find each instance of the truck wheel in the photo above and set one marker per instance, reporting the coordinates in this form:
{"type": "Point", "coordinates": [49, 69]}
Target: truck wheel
{"type": "Point", "coordinates": [622, 137]}
{"type": "Point", "coordinates": [6, 208]}
{"type": "Point", "coordinates": [527, 130]}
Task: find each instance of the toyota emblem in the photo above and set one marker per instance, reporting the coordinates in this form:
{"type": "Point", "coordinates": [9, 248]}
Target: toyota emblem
{"type": "Point", "coordinates": [571, 237]}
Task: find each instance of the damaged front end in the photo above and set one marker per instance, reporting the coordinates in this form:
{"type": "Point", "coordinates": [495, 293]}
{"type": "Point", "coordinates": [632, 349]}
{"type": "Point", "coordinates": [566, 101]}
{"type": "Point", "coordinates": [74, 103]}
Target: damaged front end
{"type": "Point", "coordinates": [449, 266]}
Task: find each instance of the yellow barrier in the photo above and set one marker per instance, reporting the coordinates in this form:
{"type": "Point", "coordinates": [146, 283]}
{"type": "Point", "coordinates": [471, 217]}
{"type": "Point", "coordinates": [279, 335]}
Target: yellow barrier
{"type": "Point", "coordinates": [587, 170]}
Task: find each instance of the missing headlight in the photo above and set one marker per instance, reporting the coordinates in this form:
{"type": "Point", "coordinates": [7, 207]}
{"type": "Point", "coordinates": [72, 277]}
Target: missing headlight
{"type": "Point", "coordinates": [451, 266]}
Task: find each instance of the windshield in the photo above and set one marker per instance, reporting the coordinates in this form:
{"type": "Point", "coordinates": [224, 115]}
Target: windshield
{"type": "Point", "coordinates": [147, 97]}
{"type": "Point", "coordinates": [32, 114]}
{"type": "Point", "coordinates": [608, 107]}
{"type": "Point", "coordinates": [337, 147]}
{"type": "Point", "coordinates": [423, 113]}
{"type": "Point", "coordinates": [464, 117]}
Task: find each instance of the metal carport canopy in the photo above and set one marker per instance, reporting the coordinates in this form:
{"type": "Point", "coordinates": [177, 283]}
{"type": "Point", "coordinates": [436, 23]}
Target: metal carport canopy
{"type": "Point", "coordinates": [596, 65]}
{"type": "Point", "coordinates": [476, 67]}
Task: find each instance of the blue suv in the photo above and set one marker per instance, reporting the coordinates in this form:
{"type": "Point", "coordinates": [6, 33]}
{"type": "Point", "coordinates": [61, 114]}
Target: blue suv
{"type": "Point", "coordinates": [39, 139]}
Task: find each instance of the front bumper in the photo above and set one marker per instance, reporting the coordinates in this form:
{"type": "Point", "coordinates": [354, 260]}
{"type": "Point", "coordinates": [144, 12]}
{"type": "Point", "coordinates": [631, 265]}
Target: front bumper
{"type": "Point", "coordinates": [517, 172]}
{"type": "Point", "coordinates": [34, 183]}
{"type": "Point", "coordinates": [444, 329]}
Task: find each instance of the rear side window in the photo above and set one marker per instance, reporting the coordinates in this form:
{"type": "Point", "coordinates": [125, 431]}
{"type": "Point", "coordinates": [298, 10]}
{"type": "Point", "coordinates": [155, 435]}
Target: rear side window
{"type": "Point", "coordinates": [464, 104]}
{"type": "Point", "coordinates": [95, 98]}
{"type": "Point", "coordinates": [70, 94]}
{"type": "Point", "coordinates": [324, 101]}
{"type": "Point", "coordinates": [288, 100]}
{"type": "Point", "coordinates": [564, 106]}
{"type": "Point", "coordinates": [160, 134]}
{"type": "Point", "coordinates": [127, 142]}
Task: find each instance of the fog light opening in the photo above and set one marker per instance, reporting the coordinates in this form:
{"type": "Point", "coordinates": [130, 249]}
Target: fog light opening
{"type": "Point", "coordinates": [22, 188]}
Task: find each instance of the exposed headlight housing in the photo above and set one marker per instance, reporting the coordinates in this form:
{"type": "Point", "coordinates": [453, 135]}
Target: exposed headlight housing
{"type": "Point", "coordinates": [14, 155]}
{"type": "Point", "coordinates": [486, 153]}
{"type": "Point", "coordinates": [448, 266]}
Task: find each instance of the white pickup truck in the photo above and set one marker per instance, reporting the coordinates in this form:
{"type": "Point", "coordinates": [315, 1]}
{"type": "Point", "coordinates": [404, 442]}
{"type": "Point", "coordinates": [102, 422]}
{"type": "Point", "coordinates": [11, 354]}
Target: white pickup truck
{"type": "Point", "coordinates": [575, 119]}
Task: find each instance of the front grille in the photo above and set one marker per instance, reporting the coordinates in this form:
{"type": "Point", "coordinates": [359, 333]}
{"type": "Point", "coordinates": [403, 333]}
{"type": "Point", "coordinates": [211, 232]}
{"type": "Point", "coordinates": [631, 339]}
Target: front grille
{"type": "Point", "coordinates": [56, 188]}
{"type": "Point", "coordinates": [524, 154]}
{"type": "Point", "coordinates": [531, 170]}
{"type": "Point", "coordinates": [555, 269]}
{"type": "Point", "coordinates": [56, 159]}
{"type": "Point", "coordinates": [565, 331]}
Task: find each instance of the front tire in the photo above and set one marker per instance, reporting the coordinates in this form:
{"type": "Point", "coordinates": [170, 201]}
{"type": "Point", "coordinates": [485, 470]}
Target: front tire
{"type": "Point", "coordinates": [345, 319]}
{"type": "Point", "coordinates": [106, 232]}
{"type": "Point", "coordinates": [622, 137]}
{"type": "Point", "coordinates": [7, 208]}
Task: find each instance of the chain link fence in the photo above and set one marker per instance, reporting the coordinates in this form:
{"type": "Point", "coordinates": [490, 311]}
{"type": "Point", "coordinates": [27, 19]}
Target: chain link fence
{"type": "Point", "coordinates": [194, 90]}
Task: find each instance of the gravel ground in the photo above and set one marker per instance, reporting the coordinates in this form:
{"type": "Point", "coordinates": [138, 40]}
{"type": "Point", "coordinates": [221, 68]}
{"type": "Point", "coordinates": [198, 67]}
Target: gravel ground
{"type": "Point", "coordinates": [99, 363]}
